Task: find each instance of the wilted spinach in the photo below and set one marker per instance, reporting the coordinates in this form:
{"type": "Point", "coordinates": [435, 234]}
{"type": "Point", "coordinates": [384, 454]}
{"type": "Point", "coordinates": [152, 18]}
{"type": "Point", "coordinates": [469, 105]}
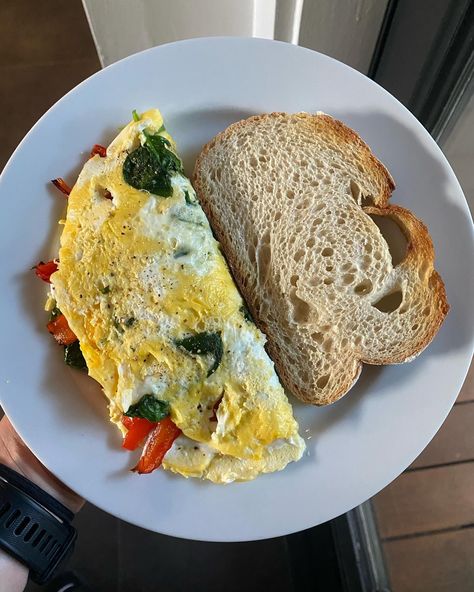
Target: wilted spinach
{"type": "Point", "coordinates": [203, 344]}
{"type": "Point", "coordinates": [150, 408]}
{"type": "Point", "coordinates": [73, 356]}
{"type": "Point", "coordinates": [151, 166]}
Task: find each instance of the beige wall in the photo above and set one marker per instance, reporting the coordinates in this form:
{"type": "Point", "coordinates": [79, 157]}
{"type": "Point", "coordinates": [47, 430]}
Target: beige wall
{"type": "Point", "coordinates": [344, 29]}
{"type": "Point", "coordinates": [123, 27]}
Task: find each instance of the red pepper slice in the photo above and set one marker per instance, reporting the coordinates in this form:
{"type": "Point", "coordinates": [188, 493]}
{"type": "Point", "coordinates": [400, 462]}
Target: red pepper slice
{"type": "Point", "coordinates": [61, 185]}
{"type": "Point", "coordinates": [138, 429]}
{"type": "Point", "coordinates": [100, 150]}
{"type": "Point", "coordinates": [45, 270]}
{"type": "Point", "coordinates": [60, 330]}
{"type": "Point", "coordinates": [157, 445]}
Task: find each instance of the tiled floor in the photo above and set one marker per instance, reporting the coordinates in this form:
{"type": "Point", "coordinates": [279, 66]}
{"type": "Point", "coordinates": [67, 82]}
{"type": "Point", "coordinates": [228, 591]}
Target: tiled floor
{"type": "Point", "coordinates": [426, 517]}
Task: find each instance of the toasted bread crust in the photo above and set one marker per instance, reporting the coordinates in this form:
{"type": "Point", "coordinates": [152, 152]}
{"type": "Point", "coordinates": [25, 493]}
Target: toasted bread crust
{"type": "Point", "coordinates": [429, 294]}
{"type": "Point", "coordinates": [420, 251]}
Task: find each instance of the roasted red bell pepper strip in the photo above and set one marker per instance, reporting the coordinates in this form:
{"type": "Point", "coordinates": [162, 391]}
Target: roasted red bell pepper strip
{"type": "Point", "coordinates": [98, 149]}
{"type": "Point", "coordinates": [157, 445]}
{"type": "Point", "coordinates": [60, 330]}
{"type": "Point", "coordinates": [61, 185]}
{"type": "Point", "coordinates": [138, 429]}
{"type": "Point", "coordinates": [45, 270]}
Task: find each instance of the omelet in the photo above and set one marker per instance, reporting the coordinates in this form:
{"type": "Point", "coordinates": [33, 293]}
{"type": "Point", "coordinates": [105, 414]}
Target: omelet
{"type": "Point", "coordinates": [145, 288]}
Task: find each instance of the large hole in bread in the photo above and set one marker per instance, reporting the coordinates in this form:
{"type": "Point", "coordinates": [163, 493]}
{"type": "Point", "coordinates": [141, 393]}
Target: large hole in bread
{"type": "Point", "coordinates": [367, 200]}
{"type": "Point", "coordinates": [354, 190]}
{"type": "Point", "coordinates": [264, 254]}
{"type": "Point", "coordinates": [394, 237]}
{"type": "Point", "coordinates": [216, 174]}
{"type": "Point", "coordinates": [348, 278]}
{"type": "Point", "coordinates": [298, 255]}
{"type": "Point", "coordinates": [251, 253]}
{"type": "Point", "coordinates": [266, 237]}
{"type": "Point", "coordinates": [323, 380]}
{"type": "Point", "coordinates": [328, 343]}
{"type": "Point", "coordinates": [390, 302]}
{"type": "Point", "coordinates": [357, 195]}
{"type": "Point", "coordinates": [363, 287]}
{"type": "Point", "coordinates": [301, 309]}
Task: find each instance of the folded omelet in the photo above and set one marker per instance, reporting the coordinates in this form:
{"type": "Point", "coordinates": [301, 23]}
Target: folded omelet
{"type": "Point", "coordinates": [145, 288]}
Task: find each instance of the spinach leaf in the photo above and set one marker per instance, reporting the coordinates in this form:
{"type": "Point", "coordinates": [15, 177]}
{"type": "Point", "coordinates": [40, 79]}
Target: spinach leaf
{"type": "Point", "coordinates": [135, 115]}
{"type": "Point", "coordinates": [160, 146]}
{"type": "Point", "coordinates": [142, 170]}
{"type": "Point", "coordinates": [151, 166]}
{"type": "Point", "coordinates": [203, 344]}
{"type": "Point", "coordinates": [73, 356]}
{"type": "Point", "coordinates": [150, 408]}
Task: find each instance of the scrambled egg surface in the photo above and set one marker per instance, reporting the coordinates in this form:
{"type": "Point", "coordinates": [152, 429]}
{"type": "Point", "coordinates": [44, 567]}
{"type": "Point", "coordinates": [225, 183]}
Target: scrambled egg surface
{"type": "Point", "coordinates": [139, 272]}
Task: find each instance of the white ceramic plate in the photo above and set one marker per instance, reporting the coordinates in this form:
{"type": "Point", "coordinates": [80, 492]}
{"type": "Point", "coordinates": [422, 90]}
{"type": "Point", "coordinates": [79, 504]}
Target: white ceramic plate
{"type": "Point", "coordinates": [359, 444]}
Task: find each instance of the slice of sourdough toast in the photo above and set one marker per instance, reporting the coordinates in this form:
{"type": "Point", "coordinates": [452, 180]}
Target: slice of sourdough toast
{"type": "Point", "coordinates": [293, 199]}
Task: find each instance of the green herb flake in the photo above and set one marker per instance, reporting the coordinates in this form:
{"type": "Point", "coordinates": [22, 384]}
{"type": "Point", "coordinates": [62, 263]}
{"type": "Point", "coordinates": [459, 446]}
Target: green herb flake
{"type": "Point", "coordinates": [188, 199]}
{"type": "Point", "coordinates": [130, 321]}
{"type": "Point", "coordinates": [135, 115]}
{"type": "Point", "coordinates": [182, 216]}
{"type": "Point", "coordinates": [182, 252]}
{"type": "Point", "coordinates": [105, 289]}
{"type": "Point", "coordinates": [73, 356]}
{"type": "Point", "coordinates": [149, 407]}
{"type": "Point", "coordinates": [203, 344]}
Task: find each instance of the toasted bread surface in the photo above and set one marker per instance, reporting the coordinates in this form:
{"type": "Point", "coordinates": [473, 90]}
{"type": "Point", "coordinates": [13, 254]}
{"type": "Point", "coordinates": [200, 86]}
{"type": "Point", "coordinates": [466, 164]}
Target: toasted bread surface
{"type": "Point", "coordinates": [294, 201]}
